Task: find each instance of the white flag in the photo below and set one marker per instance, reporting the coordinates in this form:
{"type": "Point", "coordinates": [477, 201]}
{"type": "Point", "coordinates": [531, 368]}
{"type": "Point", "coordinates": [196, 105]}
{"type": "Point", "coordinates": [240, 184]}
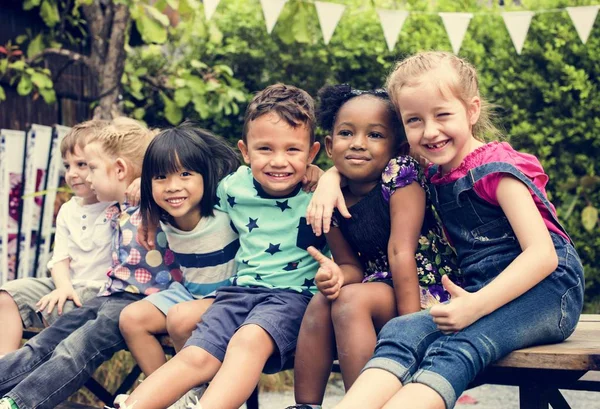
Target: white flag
{"type": "Point", "coordinates": [329, 15]}
{"type": "Point", "coordinates": [271, 10]}
{"type": "Point", "coordinates": [209, 8]}
{"type": "Point", "coordinates": [456, 25]}
{"type": "Point", "coordinates": [583, 19]}
{"type": "Point", "coordinates": [391, 22]}
{"type": "Point", "coordinates": [517, 23]}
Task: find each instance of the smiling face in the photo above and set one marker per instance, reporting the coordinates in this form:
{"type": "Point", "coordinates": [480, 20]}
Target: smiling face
{"type": "Point", "coordinates": [438, 125]}
{"type": "Point", "coordinates": [277, 153]}
{"type": "Point", "coordinates": [362, 140]}
{"type": "Point", "coordinates": [179, 194]}
{"type": "Point", "coordinates": [76, 173]}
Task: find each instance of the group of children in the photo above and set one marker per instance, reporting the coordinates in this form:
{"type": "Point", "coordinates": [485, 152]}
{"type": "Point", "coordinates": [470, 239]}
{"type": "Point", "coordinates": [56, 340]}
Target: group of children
{"type": "Point", "coordinates": [440, 240]}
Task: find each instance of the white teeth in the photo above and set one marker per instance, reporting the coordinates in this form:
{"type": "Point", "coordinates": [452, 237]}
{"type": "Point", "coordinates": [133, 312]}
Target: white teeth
{"type": "Point", "coordinates": [278, 175]}
{"type": "Point", "coordinates": [437, 145]}
{"type": "Point", "coordinates": [175, 201]}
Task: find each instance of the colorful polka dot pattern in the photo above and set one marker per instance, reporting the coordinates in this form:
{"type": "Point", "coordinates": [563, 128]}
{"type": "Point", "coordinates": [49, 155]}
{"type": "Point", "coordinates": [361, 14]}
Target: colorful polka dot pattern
{"type": "Point", "coordinates": [135, 269]}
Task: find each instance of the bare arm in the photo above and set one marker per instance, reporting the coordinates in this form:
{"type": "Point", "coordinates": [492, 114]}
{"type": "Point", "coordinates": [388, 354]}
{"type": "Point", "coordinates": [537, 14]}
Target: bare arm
{"type": "Point", "coordinates": [61, 276]}
{"type": "Point", "coordinates": [407, 210]}
{"type": "Point", "coordinates": [537, 260]}
{"type": "Point", "coordinates": [328, 195]}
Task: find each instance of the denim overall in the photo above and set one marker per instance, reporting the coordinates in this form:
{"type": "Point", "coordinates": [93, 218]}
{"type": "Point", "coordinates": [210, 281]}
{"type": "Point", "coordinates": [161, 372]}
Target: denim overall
{"type": "Point", "coordinates": [412, 348]}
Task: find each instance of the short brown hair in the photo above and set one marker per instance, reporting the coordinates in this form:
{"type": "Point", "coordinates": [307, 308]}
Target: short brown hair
{"type": "Point", "coordinates": [80, 133]}
{"type": "Point", "coordinates": [292, 104]}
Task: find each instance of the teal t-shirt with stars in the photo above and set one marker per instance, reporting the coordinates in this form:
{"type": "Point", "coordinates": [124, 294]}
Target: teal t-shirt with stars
{"type": "Point", "coordinates": [273, 234]}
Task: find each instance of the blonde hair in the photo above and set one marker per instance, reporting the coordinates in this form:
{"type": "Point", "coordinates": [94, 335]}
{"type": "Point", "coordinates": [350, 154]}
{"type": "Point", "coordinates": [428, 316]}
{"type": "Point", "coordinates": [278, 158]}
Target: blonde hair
{"type": "Point", "coordinates": [79, 133]}
{"type": "Point", "coordinates": [461, 81]}
{"type": "Point", "coordinates": [125, 138]}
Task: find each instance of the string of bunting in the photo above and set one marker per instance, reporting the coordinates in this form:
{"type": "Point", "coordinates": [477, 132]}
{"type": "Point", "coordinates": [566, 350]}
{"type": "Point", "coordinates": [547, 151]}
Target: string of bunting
{"type": "Point", "coordinates": [456, 24]}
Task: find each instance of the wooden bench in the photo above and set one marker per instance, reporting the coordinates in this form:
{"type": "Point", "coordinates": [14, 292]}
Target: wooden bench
{"type": "Point", "coordinates": [539, 371]}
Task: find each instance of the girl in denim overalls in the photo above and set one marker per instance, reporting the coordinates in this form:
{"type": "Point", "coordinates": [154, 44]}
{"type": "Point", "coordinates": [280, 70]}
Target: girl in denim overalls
{"type": "Point", "coordinates": [523, 277]}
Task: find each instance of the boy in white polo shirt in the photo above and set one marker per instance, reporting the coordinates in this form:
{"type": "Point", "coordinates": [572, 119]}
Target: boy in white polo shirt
{"type": "Point", "coordinates": [81, 253]}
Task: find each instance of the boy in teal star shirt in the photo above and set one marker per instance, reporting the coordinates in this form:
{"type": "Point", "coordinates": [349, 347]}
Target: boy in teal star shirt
{"type": "Point", "coordinates": [253, 324]}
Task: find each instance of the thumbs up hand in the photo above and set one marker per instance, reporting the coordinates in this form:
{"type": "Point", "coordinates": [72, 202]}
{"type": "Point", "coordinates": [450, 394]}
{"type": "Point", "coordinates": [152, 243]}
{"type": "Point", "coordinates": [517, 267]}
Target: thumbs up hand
{"type": "Point", "coordinates": [457, 314]}
{"type": "Point", "coordinates": [329, 278]}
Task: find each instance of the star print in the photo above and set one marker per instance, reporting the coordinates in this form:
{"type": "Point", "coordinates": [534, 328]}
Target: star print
{"type": "Point", "coordinates": [308, 283]}
{"type": "Point", "coordinates": [258, 277]}
{"type": "Point", "coordinates": [282, 205]}
{"type": "Point", "coordinates": [306, 292]}
{"type": "Point", "coordinates": [231, 200]}
{"type": "Point", "coordinates": [273, 248]}
{"type": "Point", "coordinates": [252, 224]}
{"type": "Point", "coordinates": [245, 261]}
{"type": "Point", "coordinates": [292, 266]}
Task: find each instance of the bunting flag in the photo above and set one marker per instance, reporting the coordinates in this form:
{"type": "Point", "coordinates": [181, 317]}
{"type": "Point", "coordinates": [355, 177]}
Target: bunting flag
{"type": "Point", "coordinates": [456, 25]}
{"type": "Point", "coordinates": [329, 15]}
{"type": "Point", "coordinates": [209, 8]}
{"type": "Point", "coordinates": [391, 23]}
{"type": "Point", "coordinates": [517, 24]}
{"type": "Point", "coordinates": [271, 11]}
{"type": "Point", "coordinates": [583, 19]}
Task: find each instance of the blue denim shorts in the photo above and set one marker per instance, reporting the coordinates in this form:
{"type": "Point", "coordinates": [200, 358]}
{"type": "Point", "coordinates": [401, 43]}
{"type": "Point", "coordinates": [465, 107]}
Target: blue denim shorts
{"type": "Point", "coordinates": [278, 312]}
{"type": "Point", "coordinates": [164, 300]}
{"type": "Point", "coordinates": [412, 348]}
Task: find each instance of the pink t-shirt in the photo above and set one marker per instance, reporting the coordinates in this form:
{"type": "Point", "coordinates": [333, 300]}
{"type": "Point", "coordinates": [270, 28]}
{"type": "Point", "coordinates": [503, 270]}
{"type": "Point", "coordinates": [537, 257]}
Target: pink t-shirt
{"type": "Point", "coordinates": [487, 186]}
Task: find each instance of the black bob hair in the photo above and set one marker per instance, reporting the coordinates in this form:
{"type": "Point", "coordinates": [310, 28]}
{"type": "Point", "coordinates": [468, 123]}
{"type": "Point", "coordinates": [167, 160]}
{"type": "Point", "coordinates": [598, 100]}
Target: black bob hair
{"type": "Point", "coordinates": [185, 147]}
{"type": "Point", "coordinates": [333, 97]}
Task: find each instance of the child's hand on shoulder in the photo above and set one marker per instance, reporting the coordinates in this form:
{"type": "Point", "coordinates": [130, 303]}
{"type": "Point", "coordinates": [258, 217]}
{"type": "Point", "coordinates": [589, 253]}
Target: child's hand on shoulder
{"type": "Point", "coordinates": [57, 298]}
{"type": "Point", "coordinates": [132, 194]}
{"type": "Point", "coordinates": [311, 178]}
{"type": "Point", "coordinates": [145, 236]}
{"type": "Point", "coordinates": [329, 278]}
{"type": "Point", "coordinates": [327, 196]}
{"type": "Point", "coordinates": [462, 310]}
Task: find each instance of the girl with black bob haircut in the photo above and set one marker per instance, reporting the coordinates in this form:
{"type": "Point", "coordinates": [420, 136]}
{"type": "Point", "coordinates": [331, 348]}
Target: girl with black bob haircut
{"type": "Point", "coordinates": [180, 172]}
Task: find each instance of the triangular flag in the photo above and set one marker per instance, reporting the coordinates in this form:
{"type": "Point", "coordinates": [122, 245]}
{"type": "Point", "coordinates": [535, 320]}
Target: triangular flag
{"type": "Point", "coordinates": [271, 10]}
{"type": "Point", "coordinates": [391, 22]}
{"type": "Point", "coordinates": [209, 8]}
{"type": "Point", "coordinates": [329, 15]}
{"type": "Point", "coordinates": [456, 26]}
{"type": "Point", "coordinates": [517, 23]}
{"type": "Point", "coordinates": [583, 19]}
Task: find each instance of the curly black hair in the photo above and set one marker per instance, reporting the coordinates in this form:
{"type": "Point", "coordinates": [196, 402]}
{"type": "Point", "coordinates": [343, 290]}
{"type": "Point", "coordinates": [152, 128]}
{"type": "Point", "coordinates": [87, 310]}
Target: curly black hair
{"type": "Point", "coordinates": [333, 97]}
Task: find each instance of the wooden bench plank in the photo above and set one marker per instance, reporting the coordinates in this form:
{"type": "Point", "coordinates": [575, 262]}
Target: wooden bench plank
{"type": "Point", "coordinates": [581, 351]}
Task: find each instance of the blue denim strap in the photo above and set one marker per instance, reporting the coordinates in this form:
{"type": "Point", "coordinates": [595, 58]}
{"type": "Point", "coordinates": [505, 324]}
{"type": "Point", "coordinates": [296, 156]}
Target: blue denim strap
{"type": "Point", "coordinates": [475, 174]}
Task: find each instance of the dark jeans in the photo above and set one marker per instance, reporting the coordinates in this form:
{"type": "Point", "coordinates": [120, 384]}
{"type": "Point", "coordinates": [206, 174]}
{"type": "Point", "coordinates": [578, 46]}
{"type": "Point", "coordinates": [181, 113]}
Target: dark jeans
{"type": "Point", "coordinates": [57, 362]}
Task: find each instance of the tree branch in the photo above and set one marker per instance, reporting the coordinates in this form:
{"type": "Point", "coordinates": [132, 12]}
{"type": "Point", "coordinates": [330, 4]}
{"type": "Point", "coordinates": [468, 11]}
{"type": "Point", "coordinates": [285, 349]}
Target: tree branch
{"type": "Point", "coordinates": [72, 55]}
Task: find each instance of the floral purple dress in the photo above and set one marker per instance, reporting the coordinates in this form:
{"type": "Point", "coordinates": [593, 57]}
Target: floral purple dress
{"type": "Point", "coordinates": [368, 233]}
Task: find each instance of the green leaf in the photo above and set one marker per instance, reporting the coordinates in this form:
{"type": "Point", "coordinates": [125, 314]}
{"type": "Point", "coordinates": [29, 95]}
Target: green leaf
{"type": "Point", "coordinates": [173, 113]}
{"type": "Point", "coordinates": [2, 94]}
{"type": "Point", "coordinates": [49, 13]}
{"type": "Point", "coordinates": [35, 46]}
{"type": "Point", "coordinates": [17, 65]}
{"type": "Point", "coordinates": [29, 4]}
{"type": "Point", "coordinates": [48, 94]}
{"type": "Point", "coordinates": [41, 81]}
{"type": "Point", "coordinates": [151, 30]}
{"type": "Point", "coordinates": [182, 96]}
{"type": "Point", "coordinates": [174, 4]}
{"type": "Point", "coordinates": [589, 217]}
{"type": "Point", "coordinates": [157, 15]}
{"type": "Point", "coordinates": [3, 66]}
{"type": "Point", "coordinates": [21, 39]}
{"type": "Point", "coordinates": [25, 86]}
{"type": "Point", "coordinates": [139, 113]}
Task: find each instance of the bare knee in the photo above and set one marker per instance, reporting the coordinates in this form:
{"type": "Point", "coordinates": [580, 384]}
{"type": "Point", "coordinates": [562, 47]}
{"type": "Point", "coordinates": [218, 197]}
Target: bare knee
{"type": "Point", "coordinates": [253, 339]}
{"type": "Point", "coordinates": [317, 315]}
{"type": "Point", "coordinates": [133, 320]}
{"type": "Point", "coordinates": [6, 300]}
{"type": "Point", "coordinates": [348, 307]}
{"type": "Point", "coordinates": [179, 323]}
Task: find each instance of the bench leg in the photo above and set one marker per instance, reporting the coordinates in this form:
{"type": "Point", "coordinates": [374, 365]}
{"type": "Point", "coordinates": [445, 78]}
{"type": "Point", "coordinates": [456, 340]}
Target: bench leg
{"type": "Point", "coordinates": [129, 380]}
{"type": "Point", "coordinates": [252, 402]}
{"type": "Point", "coordinates": [557, 400]}
{"type": "Point", "coordinates": [532, 397]}
{"type": "Point", "coordinates": [99, 391]}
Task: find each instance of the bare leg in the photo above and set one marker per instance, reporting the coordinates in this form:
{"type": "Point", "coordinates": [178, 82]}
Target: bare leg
{"type": "Point", "coordinates": [191, 367]}
{"type": "Point", "coordinates": [246, 355]}
{"type": "Point", "coordinates": [314, 353]}
{"type": "Point", "coordinates": [358, 314]}
{"type": "Point", "coordinates": [11, 324]}
{"type": "Point", "coordinates": [183, 318]}
{"type": "Point", "coordinates": [139, 323]}
{"type": "Point", "coordinates": [416, 396]}
{"type": "Point", "coordinates": [372, 389]}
